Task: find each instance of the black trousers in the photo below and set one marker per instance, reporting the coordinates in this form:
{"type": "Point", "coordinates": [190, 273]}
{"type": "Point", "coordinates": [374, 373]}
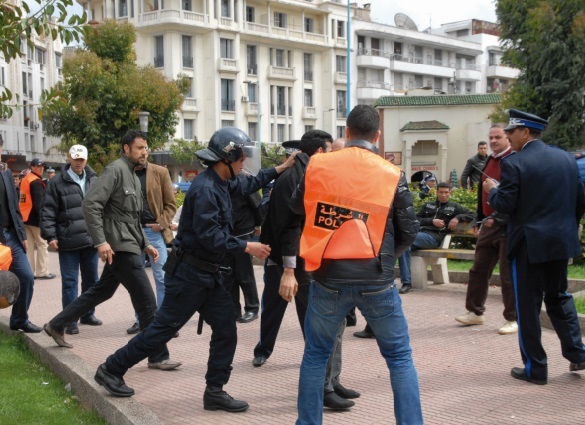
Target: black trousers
{"type": "Point", "coordinates": [187, 291]}
{"type": "Point", "coordinates": [532, 283]}
{"type": "Point", "coordinates": [274, 307]}
{"type": "Point", "coordinates": [242, 276]}
{"type": "Point", "coordinates": [128, 269]}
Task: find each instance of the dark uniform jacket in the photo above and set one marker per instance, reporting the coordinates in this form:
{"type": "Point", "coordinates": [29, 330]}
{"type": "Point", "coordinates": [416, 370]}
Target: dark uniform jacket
{"type": "Point", "coordinates": [62, 213]}
{"type": "Point", "coordinates": [13, 206]}
{"type": "Point", "coordinates": [471, 173]}
{"type": "Point", "coordinates": [446, 212]}
{"type": "Point", "coordinates": [542, 192]}
{"type": "Point", "coordinates": [246, 213]}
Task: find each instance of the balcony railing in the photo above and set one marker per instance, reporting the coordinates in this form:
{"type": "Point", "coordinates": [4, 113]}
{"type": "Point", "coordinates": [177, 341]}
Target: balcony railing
{"type": "Point", "coordinates": [341, 77]}
{"type": "Point", "coordinates": [157, 15]}
{"type": "Point", "coordinates": [469, 66]}
{"type": "Point", "coordinates": [373, 85]}
{"type": "Point", "coordinates": [373, 52]}
{"type": "Point", "coordinates": [290, 33]}
{"type": "Point", "coordinates": [281, 72]}
{"type": "Point", "coordinates": [228, 105]}
{"type": "Point", "coordinates": [190, 103]}
{"type": "Point", "coordinates": [159, 61]}
{"type": "Point", "coordinates": [253, 69]}
{"type": "Point", "coordinates": [187, 62]}
{"type": "Point", "coordinates": [228, 65]}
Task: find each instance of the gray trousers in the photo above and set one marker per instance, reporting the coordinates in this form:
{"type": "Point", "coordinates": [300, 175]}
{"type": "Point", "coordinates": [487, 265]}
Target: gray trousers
{"type": "Point", "coordinates": [334, 363]}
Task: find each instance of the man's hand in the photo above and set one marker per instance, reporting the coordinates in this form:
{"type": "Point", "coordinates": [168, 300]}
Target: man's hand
{"type": "Point", "coordinates": [257, 249]}
{"type": "Point", "coordinates": [488, 185]}
{"type": "Point", "coordinates": [453, 224]}
{"type": "Point", "coordinates": [54, 244]}
{"type": "Point", "coordinates": [476, 231]}
{"type": "Point", "coordinates": [288, 163]}
{"type": "Point", "coordinates": [155, 227]}
{"type": "Point", "coordinates": [174, 227]}
{"type": "Point", "coordinates": [288, 285]}
{"type": "Point", "coordinates": [25, 244]}
{"type": "Point", "coordinates": [438, 223]}
{"type": "Point", "coordinates": [489, 223]}
{"type": "Point", "coordinates": [257, 231]}
{"type": "Point", "coordinates": [151, 250]}
{"type": "Point", "coordinates": [106, 253]}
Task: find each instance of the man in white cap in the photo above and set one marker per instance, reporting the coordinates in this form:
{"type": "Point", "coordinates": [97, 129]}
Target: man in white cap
{"type": "Point", "coordinates": [63, 226]}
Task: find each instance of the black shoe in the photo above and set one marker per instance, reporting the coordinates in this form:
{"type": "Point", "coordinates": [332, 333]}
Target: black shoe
{"type": "Point", "coordinates": [574, 367]}
{"type": "Point", "coordinates": [405, 289]}
{"type": "Point", "coordinates": [91, 321]}
{"type": "Point", "coordinates": [520, 373]}
{"type": "Point", "coordinates": [115, 386]}
{"type": "Point", "coordinates": [364, 334]}
{"type": "Point", "coordinates": [259, 361]}
{"type": "Point", "coordinates": [333, 401]}
{"type": "Point", "coordinates": [134, 329]}
{"type": "Point", "coordinates": [28, 328]}
{"type": "Point", "coordinates": [248, 317]}
{"type": "Point", "coordinates": [71, 329]}
{"type": "Point", "coordinates": [345, 393]}
{"type": "Point", "coordinates": [215, 398]}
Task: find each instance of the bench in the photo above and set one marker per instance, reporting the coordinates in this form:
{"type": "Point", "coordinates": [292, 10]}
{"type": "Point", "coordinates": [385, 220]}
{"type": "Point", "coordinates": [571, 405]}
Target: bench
{"type": "Point", "coordinates": [437, 259]}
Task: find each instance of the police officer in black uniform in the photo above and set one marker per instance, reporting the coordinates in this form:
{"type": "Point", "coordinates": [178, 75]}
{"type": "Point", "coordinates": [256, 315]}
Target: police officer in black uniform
{"type": "Point", "coordinates": [193, 280]}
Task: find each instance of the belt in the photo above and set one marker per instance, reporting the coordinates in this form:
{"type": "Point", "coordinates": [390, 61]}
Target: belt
{"type": "Point", "coordinates": [201, 264]}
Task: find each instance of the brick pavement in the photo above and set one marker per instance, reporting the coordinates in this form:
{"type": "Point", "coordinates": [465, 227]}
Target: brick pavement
{"type": "Point", "coordinates": [464, 372]}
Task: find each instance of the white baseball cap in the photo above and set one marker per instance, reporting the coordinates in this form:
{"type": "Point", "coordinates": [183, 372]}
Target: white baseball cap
{"type": "Point", "coordinates": [78, 151]}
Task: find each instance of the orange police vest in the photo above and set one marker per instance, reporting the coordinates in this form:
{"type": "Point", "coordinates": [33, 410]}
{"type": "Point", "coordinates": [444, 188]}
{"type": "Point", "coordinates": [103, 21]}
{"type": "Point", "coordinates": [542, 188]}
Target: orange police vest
{"type": "Point", "coordinates": [347, 200]}
{"type": "Point", "coordinates": [25, 198]}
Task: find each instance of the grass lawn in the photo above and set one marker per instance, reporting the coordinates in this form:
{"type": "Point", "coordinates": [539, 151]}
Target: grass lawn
{"type": "Point", "coordinates": [575, 271]}
{"type": "Point", "coordinates": [580, 304]}
{"type": "Point", "coordinates": [30, 394]}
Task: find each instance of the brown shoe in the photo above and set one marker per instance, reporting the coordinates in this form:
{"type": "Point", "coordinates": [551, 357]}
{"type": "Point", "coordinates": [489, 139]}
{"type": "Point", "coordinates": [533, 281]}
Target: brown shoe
{"type": "Point", "coordinates": [57, 336]}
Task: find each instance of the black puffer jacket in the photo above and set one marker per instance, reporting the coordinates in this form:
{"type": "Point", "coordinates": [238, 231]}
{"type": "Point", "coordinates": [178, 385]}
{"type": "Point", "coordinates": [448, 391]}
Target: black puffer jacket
{"type": "Point", "coordinates": [62, 212]}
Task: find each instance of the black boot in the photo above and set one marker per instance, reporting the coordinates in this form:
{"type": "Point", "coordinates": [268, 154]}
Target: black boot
{"type": "Point", "coordinates": [215, 398]}
{"type": "Point", "coordinates": [333, 401]}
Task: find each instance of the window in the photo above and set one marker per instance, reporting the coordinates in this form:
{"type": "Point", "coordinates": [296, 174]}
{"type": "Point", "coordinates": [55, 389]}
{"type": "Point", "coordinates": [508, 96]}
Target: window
{"type": "Point", "coordinates": [42, 84]}
{"type": "Point", "coordinates": [340, 29]}
{"type": "Point", "coordinates": [418, 54]}
{"type": "Point", "coordinates": [308, 66]}
{"type": "Point", "coordinates": [425, 147]}
{"type": "Point", "coordinates": [340, 63]}
{"type": "Point", "coordinates": [2, 77]}
{"type": "Point", "coordinates": [186, 5]}
{"type": "Point", "coordinates": [190, 93]}
{"type": "Point", "coordinates": [375, 43]}
{"type": "Point", "coordinates": [122, 8]}
{"type": "Point", "coordinates": [309, 128]}
{"type": "Point", "coordinates": [308, 97]}
{"type": "Point", "coordinates": [158, 6]}
{"type": "Point", "coordinates": [227, 95]}
{"type": "Point", "coordinates": [438, 57]}
{"type": "Point", "coordinates": [280, 133]}
{"type": "Point", "coordinates": [225, 9]}
{"type": "Point", "coordinates": [24, 84]}
{"type": "Point", "coordinates": [252, 91]}
{"type": "Point", "coordinates": [341, 104]}
{"type": "Point", "coordinates": [188, 129]}
{"type": "Point", "coordinates": [253, 130]}
{"type": "Point", "coordinates": [340, 131]}
{"type": "Point", "coordinates": [187, 53]}
{"type": "Point", "coordinates": [398, 81]}
{"type": "Point", "coordinates": [280, 105]}
{"type": "Point", "coordinates": [280, 20]}
{"type": "Point", "coordinates": [361, 42]}
{"type": "Point", "coordinates": [279, 57]}
{"type": "Point", "coordinates": [227, 123]}
{"type": "Point", "coordinates": [398, 50]}
{"type": "Point", "coordinates": [252, 65]}
{"type": "Point", "coordinates": [469, 87]}
{"type": "Point", "coordinates": [226, 47]}
{"type": "Point", "coordinates": [438, 83]}
{"type": "Point", "coordinates": [33, 146]}
{"type": "Point", "coordinates": [58, 59]}
{"type": "Point", "coordinates": [418, 81]}
{"type": "Point", "coordinates": [41, 56]}
{"type": "Point", "coordinates": [250, 14]}
{"type": "Point", "coordinates": [159, 54]}
{"type": "Point", "coordinates": [309, 25]}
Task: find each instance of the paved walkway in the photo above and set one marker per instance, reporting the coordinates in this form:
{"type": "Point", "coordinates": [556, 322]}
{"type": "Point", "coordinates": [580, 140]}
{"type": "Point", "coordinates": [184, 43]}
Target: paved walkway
{"type": "Point", "coordinates": [463, 371]}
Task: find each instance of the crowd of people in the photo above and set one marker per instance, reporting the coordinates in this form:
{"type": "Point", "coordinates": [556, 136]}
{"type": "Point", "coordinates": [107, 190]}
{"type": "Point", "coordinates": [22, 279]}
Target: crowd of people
{"type": "Point", "coordinates": [330, 234]}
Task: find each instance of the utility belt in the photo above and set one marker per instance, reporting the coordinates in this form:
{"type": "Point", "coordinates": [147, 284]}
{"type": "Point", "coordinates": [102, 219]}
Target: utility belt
{"type": "Point", "coordinates": [178, 255]}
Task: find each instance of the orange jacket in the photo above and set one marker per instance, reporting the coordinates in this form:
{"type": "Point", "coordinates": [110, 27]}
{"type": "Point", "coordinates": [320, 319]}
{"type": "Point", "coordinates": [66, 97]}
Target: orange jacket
{"type": "Point", "coordinates": [26, 203]}
{"type": "Point", "coordinates": [347, 200]}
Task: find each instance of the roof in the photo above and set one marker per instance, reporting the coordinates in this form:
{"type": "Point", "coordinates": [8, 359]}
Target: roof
{"type": "Point", "coordinates": [424, 125]}
{"type": "Point", "coordinates": [439, 99]}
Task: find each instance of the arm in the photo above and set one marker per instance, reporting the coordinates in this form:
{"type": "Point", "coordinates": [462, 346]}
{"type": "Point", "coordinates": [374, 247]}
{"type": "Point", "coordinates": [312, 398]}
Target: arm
{"type": "Point", "coordinates": [168, 198]}
{"type": "Point", "coordinates": [49, 213]}
{"type": "Point", "coordinates": [504, 198]}
{"type": "Point", "coordinates": [36, 193]}
{"type": "Point", "coordinates": [94, 203]}
{"type": "Point", "coordinates": [425, 217]}
{"type": "Point", "coordinates": [465, 174]}
{"type": "Point", "coordinates": [406, 226]}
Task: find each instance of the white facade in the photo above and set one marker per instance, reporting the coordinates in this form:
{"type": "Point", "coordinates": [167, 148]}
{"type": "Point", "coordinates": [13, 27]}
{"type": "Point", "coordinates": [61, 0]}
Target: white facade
{"type": "Point", "coordinates": [39, 68]}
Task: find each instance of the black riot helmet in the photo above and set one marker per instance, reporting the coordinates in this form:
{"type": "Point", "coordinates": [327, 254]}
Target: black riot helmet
{"type": "Point", "coordinates": [226, 144]}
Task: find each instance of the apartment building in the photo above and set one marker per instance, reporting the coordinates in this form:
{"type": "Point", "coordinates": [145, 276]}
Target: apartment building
{"type": "Point", "coordinates": [38, 68]}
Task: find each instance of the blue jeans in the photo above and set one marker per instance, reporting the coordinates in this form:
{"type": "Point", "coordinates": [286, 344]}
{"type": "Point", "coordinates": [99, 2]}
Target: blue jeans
{"type": "Point", "coordinates": [156, 239]}
{"type": "Point", "coordinates": [21, 268]}
{"type": "Point", "coordinates": [71, 263]}
{"type": "Point", "coordinates": [382, 308]}
{"type": "Point", "coordinates": [422, 241]}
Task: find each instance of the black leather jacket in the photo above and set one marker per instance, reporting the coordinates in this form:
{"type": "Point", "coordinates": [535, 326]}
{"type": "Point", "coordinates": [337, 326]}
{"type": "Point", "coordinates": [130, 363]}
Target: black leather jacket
{"type": "Point", "coordinates": [471, 173]}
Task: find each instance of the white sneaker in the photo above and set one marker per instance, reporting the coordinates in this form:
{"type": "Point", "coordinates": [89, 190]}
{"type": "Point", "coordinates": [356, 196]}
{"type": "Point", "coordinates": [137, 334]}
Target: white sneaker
{"type": "Point", "coordinates": [510, 327]}
{"type": "Point", "coordinates": [470, 318]}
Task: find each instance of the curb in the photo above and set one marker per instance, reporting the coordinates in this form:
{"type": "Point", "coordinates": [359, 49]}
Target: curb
{"type": "Point", "coordinates": [72, 369]}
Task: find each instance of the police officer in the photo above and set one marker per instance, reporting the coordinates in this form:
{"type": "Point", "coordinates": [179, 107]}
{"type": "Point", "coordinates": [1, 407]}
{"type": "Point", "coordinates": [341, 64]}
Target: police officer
{"type": "Point", "coordinates": [193, 280]}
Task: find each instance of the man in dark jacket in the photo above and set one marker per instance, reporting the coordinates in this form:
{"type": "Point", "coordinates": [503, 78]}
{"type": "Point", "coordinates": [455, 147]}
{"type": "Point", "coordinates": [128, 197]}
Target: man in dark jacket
{"type": "Point", "coordinates": [490, 248]}
{"type": "Point", "coordinates": [356, 275]}
{"type": "Point", "coordinates": [471, 174]}
{"type": "Point", "coordinates": [436, 220]}
{"type": "Point", "coordinates": [64, 227]}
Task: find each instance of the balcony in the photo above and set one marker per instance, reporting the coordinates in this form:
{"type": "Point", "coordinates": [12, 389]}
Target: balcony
{"type": "Point", "coordinates": [252, 109]}
{"type": "Point", "coordinates": [417, 65]}
{"type": "Point", "coordinates": [190, 104]}
{"type": "Point", "coordinates": [468, 72]}
{"type": "Point", "coordinates": [226, 22]}
{"type": "Point", "coordinates": [372, 58]}
{"type": "Point", "coordinates": [372, 89]}
{"type": "Point", "coordinates": [228, 65]}
{"type": "Point", "coordinates": [340, 77]}
{"type": "Point", "coordinates": [500, 71]}
{"type": "Point", "coordinates": [309, 113]}
{"type": "Point", "coordinates": [281, 73]}
{"type": "Point", "coordinates": [173, 16]}
{"type": "Point", "coordinates": [341, 41]}
{"type": "Point", "coordinates": [288, 33]}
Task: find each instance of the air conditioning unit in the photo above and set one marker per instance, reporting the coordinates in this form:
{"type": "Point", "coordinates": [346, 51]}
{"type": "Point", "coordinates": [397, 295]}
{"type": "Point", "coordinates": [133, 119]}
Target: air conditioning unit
{"type": "Point", "coordinates": [245, 99]}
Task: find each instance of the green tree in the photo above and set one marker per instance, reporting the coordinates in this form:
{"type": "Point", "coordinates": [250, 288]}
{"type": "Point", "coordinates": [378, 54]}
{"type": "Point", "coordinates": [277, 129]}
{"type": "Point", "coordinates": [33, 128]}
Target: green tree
{"type": "Point", "coordinates": [271, 155]}
{"type": "Point", "coordinates": [545, 39]}
{"type": "Point", "coordinates": [183, 151]}
{"type": "Point", "coordinates": [19, 23]}
{"type": "Point", "coordinates": [103, 90]}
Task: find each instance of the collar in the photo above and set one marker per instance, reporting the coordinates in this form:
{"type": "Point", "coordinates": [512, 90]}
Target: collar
{"type": "Point", "coordinates": [362, 144]}
{"type": "Point", "coordinates": [501, 154]}
{"type": "Point", "coordinates": [128, 162]}
{"type": "Point", "coordinates": [527, 143]}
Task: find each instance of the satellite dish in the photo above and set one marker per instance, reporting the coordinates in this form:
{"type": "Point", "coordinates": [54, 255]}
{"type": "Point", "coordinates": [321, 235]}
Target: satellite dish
{"type": "Point", "coordinates": [402, 20]}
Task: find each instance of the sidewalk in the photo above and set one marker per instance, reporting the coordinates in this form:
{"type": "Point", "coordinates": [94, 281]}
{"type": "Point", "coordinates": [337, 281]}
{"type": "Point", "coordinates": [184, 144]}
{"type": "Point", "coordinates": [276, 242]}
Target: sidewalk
{"type": "Point", "coordinates": [464, 372]}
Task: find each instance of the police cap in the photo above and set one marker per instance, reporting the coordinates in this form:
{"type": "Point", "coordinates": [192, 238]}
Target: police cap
{"type": "Point", "coordinates": [524, 119]}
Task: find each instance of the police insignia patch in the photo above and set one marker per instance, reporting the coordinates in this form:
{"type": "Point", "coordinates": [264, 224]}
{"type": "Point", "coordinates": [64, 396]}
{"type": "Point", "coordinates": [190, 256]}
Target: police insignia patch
{"type": "Point", "coordinates": [332, 216]}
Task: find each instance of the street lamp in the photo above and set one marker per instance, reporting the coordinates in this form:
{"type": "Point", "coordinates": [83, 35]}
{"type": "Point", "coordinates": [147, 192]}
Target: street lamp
{"type": "Point", "coordinates": [259, 129]}
{"type": "Point", "coordinates": [324, 112]}
{"type": "Point", "coordinates": [143, 120]}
